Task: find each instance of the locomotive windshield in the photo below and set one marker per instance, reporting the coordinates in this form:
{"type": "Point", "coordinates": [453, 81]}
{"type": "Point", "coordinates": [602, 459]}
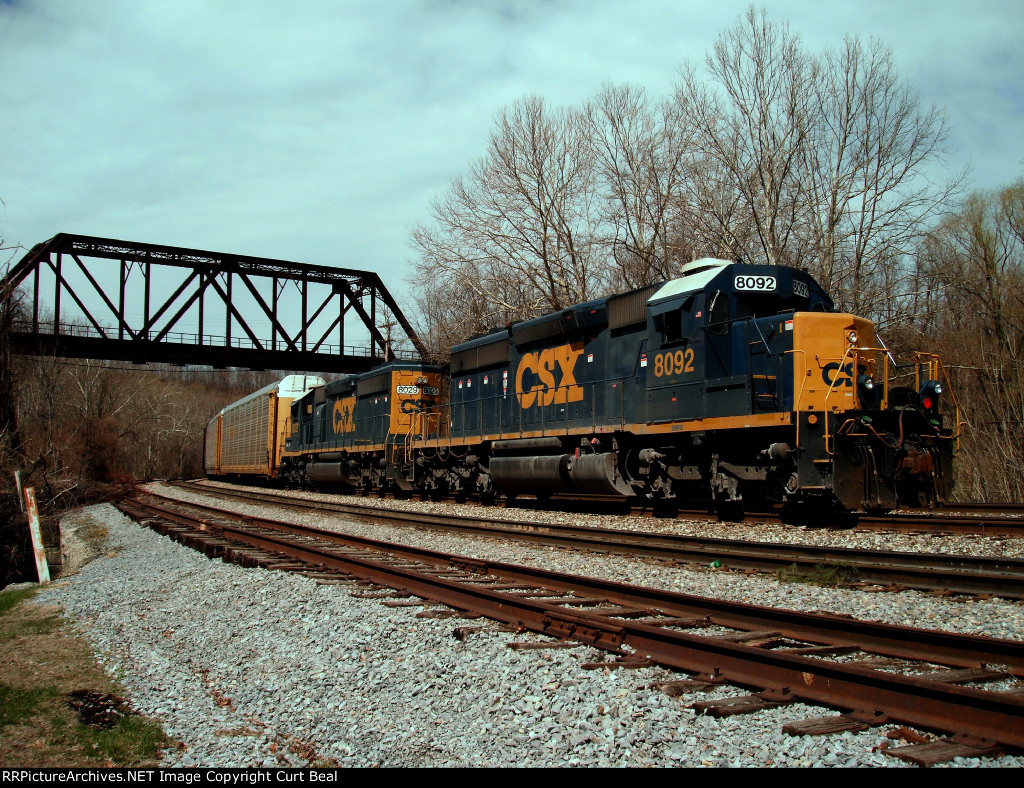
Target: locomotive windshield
{"type": "Point", "coordinates": [767, 304]}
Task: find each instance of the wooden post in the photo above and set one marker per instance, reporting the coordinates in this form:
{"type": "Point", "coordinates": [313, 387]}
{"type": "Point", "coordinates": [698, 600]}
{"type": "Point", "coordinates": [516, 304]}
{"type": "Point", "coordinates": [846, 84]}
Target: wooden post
{"type": "Point", "coordinates": [37, 535]}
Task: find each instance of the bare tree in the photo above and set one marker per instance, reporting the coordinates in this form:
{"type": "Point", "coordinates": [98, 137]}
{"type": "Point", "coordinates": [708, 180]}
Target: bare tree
{"type": "Point", "coordinates": [974, 264]}
{"type": "Point", "coordinates": [868, 197]}
{"type": "Point", "coordinates": [517, 233]}
{"type": "Point", "coordinates": [751, 123]}
{"type": "Point", "coordinates": [819, 159]}
{"type": "Point", "coordinates": [641, 160]}
{"type": "Point", "coordinates": [10, 307]}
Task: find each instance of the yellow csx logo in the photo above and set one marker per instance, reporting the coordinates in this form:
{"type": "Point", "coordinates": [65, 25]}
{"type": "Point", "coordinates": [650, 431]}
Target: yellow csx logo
{"type": "Point", "coordinates": [342, 416]}
{"type": "Point", "coordinates": [535, 377]}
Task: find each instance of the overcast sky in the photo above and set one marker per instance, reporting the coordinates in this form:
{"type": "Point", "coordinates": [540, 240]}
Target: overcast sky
{"type": "Point", "coordinates": [320, 131]}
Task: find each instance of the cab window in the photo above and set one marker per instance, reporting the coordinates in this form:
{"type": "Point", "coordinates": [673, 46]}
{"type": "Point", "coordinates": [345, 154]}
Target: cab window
{"type": "Point", "coordinates": [675, 326]}
{"type": "Point", "coordinates": [718, 313]}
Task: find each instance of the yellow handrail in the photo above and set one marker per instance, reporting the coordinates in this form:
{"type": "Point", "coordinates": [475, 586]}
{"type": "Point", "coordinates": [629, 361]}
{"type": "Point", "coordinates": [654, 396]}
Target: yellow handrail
{"type": "Point", "coordinates": [935, 366]}
{"type": "Point", "coordinates": [852, 352]}
{"type": "Point", "coordinates": [800, 396]}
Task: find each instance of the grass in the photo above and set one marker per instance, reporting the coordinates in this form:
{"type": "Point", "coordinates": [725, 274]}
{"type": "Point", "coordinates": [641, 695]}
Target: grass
{"type": "Point", "coordinates": [18, 626]}
{"type": "Point", "coordinates": [134, 741]}
{"type": "Point", "coordinates": [90, 528]}
{"type": "Point", "coordinates": [8, 599]}
{"type": "Point", "coordinates": [821, 575]}
{"type": "Point", "coordinates": [42, 662]}
{"type": "Point", "coordinates": [17, 703]}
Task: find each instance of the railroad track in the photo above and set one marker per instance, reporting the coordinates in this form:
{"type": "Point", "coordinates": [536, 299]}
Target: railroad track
{"type": "Point", "coordinates": [872, 673]}
{"type": "Point", "coordinates": [987, 519]}
{"type": "Point", "coordinates": [961, 574]}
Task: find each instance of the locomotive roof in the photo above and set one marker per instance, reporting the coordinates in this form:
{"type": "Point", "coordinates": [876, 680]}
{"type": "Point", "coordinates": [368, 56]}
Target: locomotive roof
{"type": "Point", "coordinates": [701, 275]}
{"type": "Point", "coordinates": [627, 308]}
{"type": "Point", "coordinates": [696, 276]}
{"type": "Point", "coordinates": [344, 383]}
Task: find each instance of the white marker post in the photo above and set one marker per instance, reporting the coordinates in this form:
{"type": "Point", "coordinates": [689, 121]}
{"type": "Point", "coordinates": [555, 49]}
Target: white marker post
{"type": "Point", "coordinates": [37, 535]}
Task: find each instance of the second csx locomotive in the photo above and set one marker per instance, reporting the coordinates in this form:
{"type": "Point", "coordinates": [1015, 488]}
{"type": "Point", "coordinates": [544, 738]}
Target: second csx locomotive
{"type": "Point", "coordinates": [733, 383]}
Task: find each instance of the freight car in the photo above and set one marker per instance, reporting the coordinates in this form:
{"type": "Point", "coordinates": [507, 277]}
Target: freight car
{"type": "Point", "coordinates": [246, 439]}
{"type": "Point", "coordinates": [733, 383]}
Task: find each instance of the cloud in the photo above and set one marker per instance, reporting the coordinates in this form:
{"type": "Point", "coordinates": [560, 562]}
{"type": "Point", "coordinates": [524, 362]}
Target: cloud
{"type": "Point", "coordinates": [319, 131]}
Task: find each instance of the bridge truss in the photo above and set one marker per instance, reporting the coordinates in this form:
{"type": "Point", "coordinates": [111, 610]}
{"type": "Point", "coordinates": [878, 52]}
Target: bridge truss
{"type": "Point", "coordinates": [85, 297]}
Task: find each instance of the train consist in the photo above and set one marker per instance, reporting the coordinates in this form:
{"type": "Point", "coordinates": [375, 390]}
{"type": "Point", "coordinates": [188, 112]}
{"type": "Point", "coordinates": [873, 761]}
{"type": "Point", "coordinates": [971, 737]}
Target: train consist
{"type": "Point", "coordinates": [733, 384]}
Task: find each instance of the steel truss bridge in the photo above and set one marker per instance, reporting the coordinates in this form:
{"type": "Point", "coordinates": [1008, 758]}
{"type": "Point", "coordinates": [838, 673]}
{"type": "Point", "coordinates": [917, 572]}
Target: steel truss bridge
{"type": "Point", "coordinates": [83, 297]}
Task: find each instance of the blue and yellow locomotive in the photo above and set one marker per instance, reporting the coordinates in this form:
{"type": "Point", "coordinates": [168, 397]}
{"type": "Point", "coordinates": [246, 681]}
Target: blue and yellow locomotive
{"type": "Point", "coordinates": [733, 383]}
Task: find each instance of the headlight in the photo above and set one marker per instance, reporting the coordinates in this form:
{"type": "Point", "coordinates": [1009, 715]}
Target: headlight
{"type": "Point", "coordinates": [868, 394]}
{"type": "Point", "coordinates": [851, 336]}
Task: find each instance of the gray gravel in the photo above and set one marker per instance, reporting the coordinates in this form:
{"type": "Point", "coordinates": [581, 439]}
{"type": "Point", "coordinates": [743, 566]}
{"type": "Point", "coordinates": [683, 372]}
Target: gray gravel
{"type": "Point", "coordinates": [247, 667]}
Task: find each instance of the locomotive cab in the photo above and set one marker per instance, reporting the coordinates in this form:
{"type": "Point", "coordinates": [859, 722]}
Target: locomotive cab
{"type": "Point", "coordinates": [721, 339]}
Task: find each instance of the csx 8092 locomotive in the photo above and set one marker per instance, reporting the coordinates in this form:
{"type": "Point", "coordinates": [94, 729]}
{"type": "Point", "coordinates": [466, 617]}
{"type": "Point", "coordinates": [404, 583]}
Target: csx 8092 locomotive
{"type": "Point", "coordinates": [732, 384]}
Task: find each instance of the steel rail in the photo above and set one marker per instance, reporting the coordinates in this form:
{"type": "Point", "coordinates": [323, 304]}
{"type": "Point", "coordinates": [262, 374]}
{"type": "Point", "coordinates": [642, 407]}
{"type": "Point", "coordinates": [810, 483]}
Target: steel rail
{"type": "Point", "coordinates": [949, 518]}
{"type": "Point", "coordinates": [870, 695]}
{"type": "Point", "coordinates": [938, 522]}
{"type": "Point", "coordinates": [887, 639]}
{"type": "Point", "coordinates": [935, 571]}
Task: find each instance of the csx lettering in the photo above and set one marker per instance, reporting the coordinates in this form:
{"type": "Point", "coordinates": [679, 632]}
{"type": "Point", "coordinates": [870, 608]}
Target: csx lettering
{"type": "Point", "coordinates": [542, 366]}
{"type": "Point", "coordinates": [676, 363]}
{"type": "Point", "coordinates": [342, 416]}
{"type": "Point", "coordinates": [844, 378]}
{"type": "Point", "coordinates": [414, 405]}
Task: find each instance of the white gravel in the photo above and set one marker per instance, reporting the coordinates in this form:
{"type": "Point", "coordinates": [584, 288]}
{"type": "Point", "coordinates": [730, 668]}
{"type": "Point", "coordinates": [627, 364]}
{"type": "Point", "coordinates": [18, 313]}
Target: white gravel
{"type": "Point", "coordinates": [247, 667]}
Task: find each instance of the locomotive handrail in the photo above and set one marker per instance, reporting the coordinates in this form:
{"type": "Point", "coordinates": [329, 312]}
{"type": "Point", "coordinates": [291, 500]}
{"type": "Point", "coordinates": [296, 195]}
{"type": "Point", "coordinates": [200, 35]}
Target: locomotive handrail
{"type": "Point", "coordinates": [935, 364]}
{"type": "Point", "coordinates": [800, 396]}
{"type": "Point", "coordinates": [852, 352]}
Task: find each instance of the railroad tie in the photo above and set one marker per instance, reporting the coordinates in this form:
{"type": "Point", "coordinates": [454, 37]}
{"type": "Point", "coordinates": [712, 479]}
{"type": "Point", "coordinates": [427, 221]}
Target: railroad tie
{"type": "Point", "coordinates": [624, 663]}
{"type": "Point", "coordinates": [966, 675]}
{"type": "Point", "coordinates": [744, 637]}
{"type": "Point", "coordinates": [821, 726]}
{"type": "Point", "coordinates": [744, 704]}
{"type": "Point", "coordinates": [545, 644]}
{"type": "Point", "coordinates": [821, 651]}
{"type": "Point", "coordinates": [681, 686]}
{"type": "Point", "coordinates": [681, 623]}
{"type": "Point", "coordinates": [617, 611]}
{"type": "Point", "coordinates": [448, 614]}
{"type": "Point", "coordinates": [408, 603]}
{"type": "Point", "coordinates": [578, 601]}
{"type": "Point", "coordinates": [941, 752]}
